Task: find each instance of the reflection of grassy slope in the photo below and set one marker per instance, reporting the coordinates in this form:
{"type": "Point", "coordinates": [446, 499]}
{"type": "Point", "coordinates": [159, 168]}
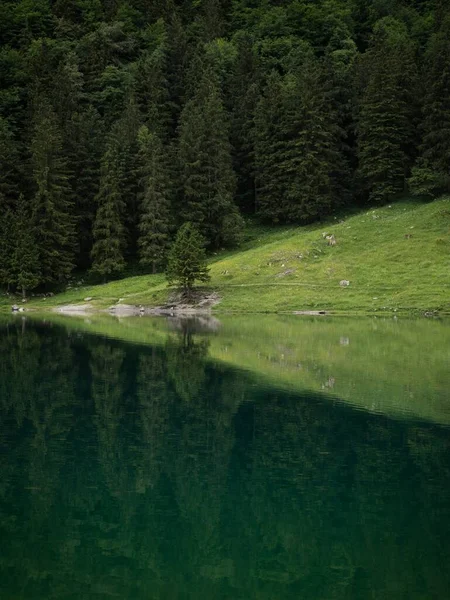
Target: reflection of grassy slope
{"type": "Point", "coordinates": [395, 258]}
{"type": "Point", "coordinates": [382, 365]}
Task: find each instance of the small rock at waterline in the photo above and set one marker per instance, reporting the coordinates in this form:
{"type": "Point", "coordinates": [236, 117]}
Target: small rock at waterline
{"type": "Point", "coordinates": [344, 283]}
{"type": "Point", "coordinates": [88, 299]}
{"type": "Point", "coordinates": [15, 308]}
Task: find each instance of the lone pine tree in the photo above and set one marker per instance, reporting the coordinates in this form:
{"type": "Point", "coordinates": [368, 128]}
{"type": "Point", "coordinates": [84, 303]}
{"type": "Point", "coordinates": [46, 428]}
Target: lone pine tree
{"type": "Point", "coordinates": [187, 259]}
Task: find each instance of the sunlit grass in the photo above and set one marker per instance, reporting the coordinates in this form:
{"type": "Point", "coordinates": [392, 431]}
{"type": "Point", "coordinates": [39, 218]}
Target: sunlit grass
{"type": "Point", "coordinates": [397, 258]}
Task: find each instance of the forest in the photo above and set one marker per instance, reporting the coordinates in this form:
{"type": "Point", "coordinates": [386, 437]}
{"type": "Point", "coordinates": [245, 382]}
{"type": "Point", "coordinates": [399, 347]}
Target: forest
{"type": "Point", "coordinates": [122, 120]}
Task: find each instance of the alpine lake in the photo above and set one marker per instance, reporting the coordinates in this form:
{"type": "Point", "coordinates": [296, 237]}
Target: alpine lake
{"type": "Point", "coordinates": [239, 457]}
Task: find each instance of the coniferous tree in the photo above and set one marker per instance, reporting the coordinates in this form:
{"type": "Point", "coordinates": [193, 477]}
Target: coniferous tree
{"type": "Point", "coordinates": [127, 129]}
{"type": "Point", "coordinates": [244, 99]}
{"type": "Point", "coordinates": [187, 259]}
{"type": "Point", "coordinates": [109, 233]}
{"type": "Point", "coordinates": [9, 165]}
{"type": "Point", "coordinates": [25, 263]}
{"type": "Point", "coordinates": [387, 112]}
{"type": "Point", "coordinates": [431, 175]}
{"type": "Point", "coordinates": [313, 161]}
{"type": "Point", "coordinates": [269, 143]}
{"type": "Point", "coordinates": [151, 84]}
{"type": "Point", "coordinates": [154, 225]}
{"type": "Point", "coordinates": [207, 178]}
{"type": "Point", "coordinates": [52, 203]}
{"type": "Point", "coordinates": [7, 247]}
{"type": "Point", "coordinates": [298, 154]}
{"type": "Point", "coordinates": [84, 142]}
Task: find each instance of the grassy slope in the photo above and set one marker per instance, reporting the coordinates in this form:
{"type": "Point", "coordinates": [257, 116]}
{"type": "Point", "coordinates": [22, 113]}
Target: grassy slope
{"type": "Point", "coordinates": [396, 258]}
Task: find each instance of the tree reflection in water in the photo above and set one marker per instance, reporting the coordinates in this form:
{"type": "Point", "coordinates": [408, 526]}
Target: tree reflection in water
{"type": "Point", "coordinates": [148, 472]}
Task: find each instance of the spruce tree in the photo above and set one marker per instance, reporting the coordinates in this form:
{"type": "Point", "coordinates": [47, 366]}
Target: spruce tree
{"type": "Point", "coordinates": [431, 176]}
{"type": "Point", "coordinates": [387, 112]}
{"type": "Point", "coordinates": [84, 141]}
{"type": "Point", "coordinates": [9, 165]}
{"type": "Point", "coordinates": [52, 202]}
{"type": "Point", "coordinates": [187, 259]}
{"type": "Point", "coordinates": [269, 149]}
{"type": "Point", "coordinates": [154, 226]}
{"type": "Point", "coordinates": [25, 263]}
{"type": "Point", "coordinates": [312, 162]}
{"type": "Point", "coordinates": [207, 177]}
{"type": "Point", "coordinates": [109, 232]}
{"type": "Point", "coordinates": [7, 247]}
{"type": "Point", "coordinates": [244, 94]}
{"type": "Point", "coordinates": [127, 130]}
{"type": "Point", "coordinates": [297, 146]}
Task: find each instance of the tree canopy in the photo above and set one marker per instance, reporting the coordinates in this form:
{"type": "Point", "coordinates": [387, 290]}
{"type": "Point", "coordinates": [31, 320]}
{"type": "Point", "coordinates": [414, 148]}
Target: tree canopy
{"type": "Point", "coordinates": [121, 121]}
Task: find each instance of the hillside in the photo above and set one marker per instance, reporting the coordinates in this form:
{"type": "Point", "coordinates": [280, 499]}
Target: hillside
{"type": "Point", "coordinates": [396, 258]}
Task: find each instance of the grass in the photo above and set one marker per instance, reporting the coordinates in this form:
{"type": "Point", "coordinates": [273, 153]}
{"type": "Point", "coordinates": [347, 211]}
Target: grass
{"type": "Point", "coordinates": [397, 259]}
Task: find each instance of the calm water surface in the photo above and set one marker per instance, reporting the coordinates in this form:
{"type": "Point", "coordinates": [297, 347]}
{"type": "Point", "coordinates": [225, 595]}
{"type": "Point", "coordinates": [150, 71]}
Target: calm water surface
{"type": "Point", "coordinates": [256, 458]}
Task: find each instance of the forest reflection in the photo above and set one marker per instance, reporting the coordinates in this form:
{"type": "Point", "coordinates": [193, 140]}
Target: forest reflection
{"type": "Point", "coordinates": [147, 472]}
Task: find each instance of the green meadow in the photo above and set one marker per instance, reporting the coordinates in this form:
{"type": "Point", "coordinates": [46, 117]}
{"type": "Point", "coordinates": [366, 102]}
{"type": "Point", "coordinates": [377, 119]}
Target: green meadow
{"type": "Point", "coordinates": [396, 258]}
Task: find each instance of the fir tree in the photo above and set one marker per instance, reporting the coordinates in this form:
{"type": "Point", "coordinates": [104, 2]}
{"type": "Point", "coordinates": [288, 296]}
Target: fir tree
{"type": "Point", "coordinates": [9, 165]}
{"type": "Point", "coordinates": [151, 84]}
{"type": "Point", "coordinates": [52, 202]}
{"type": "Point", "coordinates": [109, 232]}
{"type": "Point", "coordinates": [269, 146]}
{"type": "Point", "coordinates": [298, 154]}
{"type": "Point", "coordinates": [431, 176]}
{"type": "Point", "coordinates": [127, 129]}
{"type": "Point", "coordinates": [7, 247]}
{"type": "Point", "coordinates": [312, 163]}
{"type": "Point", "coordinates": [207, 178]}
{"type": "Point", "coordinates": [84, 142]}
{"type": "Point", "coordinates": [154, 223]}
{"type": "Point", "coordinates": [187, 259]}
{"type": "Point", "coordinates": [387, 112]}
{"type": "Point", "coordinates": [244, 99]}
{"type": "Point", "coordinates": [25, 264]}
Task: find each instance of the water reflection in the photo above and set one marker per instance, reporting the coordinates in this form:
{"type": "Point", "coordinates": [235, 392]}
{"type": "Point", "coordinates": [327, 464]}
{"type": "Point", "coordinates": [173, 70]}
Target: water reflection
{"type": "Point", "coordinates": [149, 472]}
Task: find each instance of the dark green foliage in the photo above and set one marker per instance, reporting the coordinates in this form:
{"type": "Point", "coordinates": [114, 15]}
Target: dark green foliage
{"type": "Point", "coordinates": [387, 112]}
{"type": "Point", "coordinates": [431, 176]}
{"type": "Point", "coordinates": [187, 259]}
{"type": "Point", "coordinates": [269, 145]}
{"type": "Point", "coordinates": [154, 225]}
{"type": "Point", "coordinates": [109, 231]}
{"type": "Point", "coordinates": [297, 148]}
{"type": "Point", "coordinates": [284, 110]}
{"type": "Point", "coordinates": [7, 247]}
{"type": "Point", "coordinates": [84, 144]}
{"type": "Point", "coordinates": [207, 178]}
{"type": "Point", "coordinates": [9, 165]}
{"type": "Point", "coordinates": [25, 261]}
{"type": "Point", "coordinates": [52, 206]}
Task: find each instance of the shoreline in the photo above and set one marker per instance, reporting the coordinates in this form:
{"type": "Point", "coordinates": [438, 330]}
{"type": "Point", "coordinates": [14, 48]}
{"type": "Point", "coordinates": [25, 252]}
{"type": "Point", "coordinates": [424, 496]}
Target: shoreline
{"type": "Point", "coordinates": [134, 310]}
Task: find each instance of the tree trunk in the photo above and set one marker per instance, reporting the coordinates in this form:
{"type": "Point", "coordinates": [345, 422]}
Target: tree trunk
{"type": "Point", "coordinates": [24, 293]}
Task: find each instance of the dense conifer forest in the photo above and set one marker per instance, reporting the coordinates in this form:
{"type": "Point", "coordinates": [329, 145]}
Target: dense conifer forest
{"type": "Point", "coordinates": [122, 120]}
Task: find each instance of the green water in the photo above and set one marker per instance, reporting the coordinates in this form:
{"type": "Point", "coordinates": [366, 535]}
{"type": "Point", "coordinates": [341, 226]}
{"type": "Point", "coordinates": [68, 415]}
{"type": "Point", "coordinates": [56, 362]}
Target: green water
{"type": "Point", "coordinates": [255, 458]}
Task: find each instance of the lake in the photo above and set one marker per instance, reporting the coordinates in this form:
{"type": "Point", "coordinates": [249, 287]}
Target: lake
{"type": "Point", "coordinates": [244, 457]}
